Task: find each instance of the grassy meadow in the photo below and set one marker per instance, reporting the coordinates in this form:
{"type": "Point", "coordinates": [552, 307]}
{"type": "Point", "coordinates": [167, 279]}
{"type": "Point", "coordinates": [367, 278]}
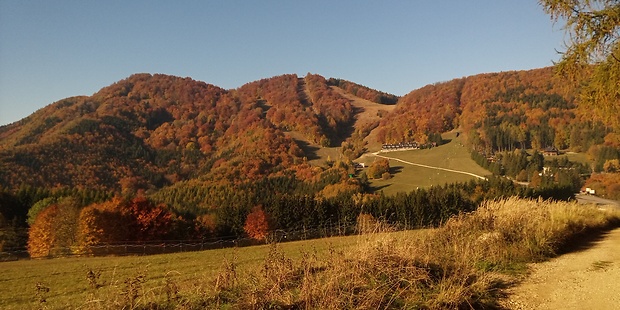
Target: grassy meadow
{"type": "Point", "coordinates": [572, 156]}
{"type": "Point", "coordinates": [452, 155]}
{"type": "Point", "coordinates": [465, 263]}
{"type": "Point", "coordinates": [69, 284]}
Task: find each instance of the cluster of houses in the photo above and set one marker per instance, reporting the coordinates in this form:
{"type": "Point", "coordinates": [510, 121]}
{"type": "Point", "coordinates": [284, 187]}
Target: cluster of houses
{"type": "Point", "coordinates": [406, 146]}
{"type": "Point", "coordinates": [548, 151]}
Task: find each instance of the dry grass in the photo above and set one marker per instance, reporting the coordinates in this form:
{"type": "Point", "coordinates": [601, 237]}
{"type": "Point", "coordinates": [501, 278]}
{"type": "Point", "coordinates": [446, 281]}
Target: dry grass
{"type": "Point", "coordinates": [460, 265]}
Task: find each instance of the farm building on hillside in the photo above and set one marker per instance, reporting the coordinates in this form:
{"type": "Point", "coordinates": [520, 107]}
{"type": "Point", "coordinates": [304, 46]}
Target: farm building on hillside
{"type": "Point", "coordinates": [551, 151]}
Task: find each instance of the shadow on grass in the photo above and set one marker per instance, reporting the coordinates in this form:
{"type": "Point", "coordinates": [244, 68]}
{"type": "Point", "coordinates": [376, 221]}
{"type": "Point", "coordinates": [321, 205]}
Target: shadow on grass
{"type": "Point", "coordinates": [586, 239]}
{"type": "Point", "coordinates": [376, 189]}
{"type": "Point", "coordinates": [396, 169]}
{"type": "Point", "coordinates": [445, 141]}
{"type": "Point", "coordinates": [310, 151]}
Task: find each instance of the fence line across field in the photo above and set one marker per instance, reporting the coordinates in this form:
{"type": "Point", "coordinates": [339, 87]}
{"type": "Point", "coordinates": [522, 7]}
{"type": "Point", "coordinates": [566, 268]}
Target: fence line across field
{"type": "Point", "coordinates": [174, 246]}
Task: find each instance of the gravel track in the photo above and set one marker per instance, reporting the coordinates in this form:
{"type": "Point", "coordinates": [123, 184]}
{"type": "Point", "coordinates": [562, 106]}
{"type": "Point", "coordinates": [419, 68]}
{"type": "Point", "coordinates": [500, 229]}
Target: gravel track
{"type": "Point", "coordinates": [588, 278]}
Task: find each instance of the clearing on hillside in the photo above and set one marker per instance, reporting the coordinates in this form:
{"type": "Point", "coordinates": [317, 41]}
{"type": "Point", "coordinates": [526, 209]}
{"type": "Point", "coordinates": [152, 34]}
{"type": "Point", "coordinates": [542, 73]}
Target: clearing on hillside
{"type": "Point", "coordinates": [407, 177]}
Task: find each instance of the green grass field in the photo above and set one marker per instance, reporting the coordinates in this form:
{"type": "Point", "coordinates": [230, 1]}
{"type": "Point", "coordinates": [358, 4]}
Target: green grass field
{"type": "Point", "coordinates": [69, 286]}
{"type": "Point", "coordinates": [453, 155]}
{"type": "Point", "coordinates": [572, 156]}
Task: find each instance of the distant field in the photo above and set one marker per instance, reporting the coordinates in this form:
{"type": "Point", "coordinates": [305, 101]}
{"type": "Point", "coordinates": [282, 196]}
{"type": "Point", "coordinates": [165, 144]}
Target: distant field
{"type": "Point", "coordinates": [69, 287]}
{"type": "Point", "coordinates": [453, 155]}
{"type": "Point", "coordinates": [572, 156]}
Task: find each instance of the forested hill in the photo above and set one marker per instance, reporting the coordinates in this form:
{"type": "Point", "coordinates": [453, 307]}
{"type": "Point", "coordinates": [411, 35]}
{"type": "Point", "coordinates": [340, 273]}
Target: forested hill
{"type": "Point", "coordinates": [149, 131]}
{"type": "Point", "coordinates": [499, 111]}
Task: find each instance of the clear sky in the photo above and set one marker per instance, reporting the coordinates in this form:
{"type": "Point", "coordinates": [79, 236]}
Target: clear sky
{"type": "Point", "coordinates": [50, 50]}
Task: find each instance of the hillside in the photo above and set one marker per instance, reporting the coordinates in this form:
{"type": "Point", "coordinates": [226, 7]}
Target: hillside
{"type": "Point", "coordinates": [413, 169]}
{"type": "Point", "coordinates": [499, 111]}
{"type": "Point", "coordinates": [149, 131]}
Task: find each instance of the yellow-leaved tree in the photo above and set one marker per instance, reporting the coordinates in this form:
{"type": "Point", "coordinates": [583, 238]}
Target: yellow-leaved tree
{"type": "Point", "coordinates": [41, 233]}
{"type": "Point", "coordinates": [592, 56]}
{"type": "Point", "coordinates": [53, 231]}
{"type": "Point", "coordinates": [103, 224]}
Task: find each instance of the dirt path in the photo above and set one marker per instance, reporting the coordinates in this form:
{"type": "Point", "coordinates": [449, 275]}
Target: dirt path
{"type": "Point", "coordinates": [586, 279]}
{"type": "Point", "coordinates": [430, 167]}
{"type": "Point", "coordinates": [591, 199]}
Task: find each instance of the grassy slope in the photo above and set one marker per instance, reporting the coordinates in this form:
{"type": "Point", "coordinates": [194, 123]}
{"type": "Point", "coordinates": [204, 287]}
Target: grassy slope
{"type": "Point", "coordinates": [453, 155]}
{"type": "Point", "coordinates": [66, 277]}
{"type": "Point", "coordinates": [572, 156]}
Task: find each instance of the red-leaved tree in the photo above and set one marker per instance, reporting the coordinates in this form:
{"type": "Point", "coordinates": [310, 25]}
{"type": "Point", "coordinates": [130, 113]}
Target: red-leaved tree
{"type": "Point", "coordinates": [257, 224]}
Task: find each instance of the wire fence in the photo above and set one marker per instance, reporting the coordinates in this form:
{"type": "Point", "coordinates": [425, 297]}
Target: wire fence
{"type": "Point", "coordinates": [175, 246]}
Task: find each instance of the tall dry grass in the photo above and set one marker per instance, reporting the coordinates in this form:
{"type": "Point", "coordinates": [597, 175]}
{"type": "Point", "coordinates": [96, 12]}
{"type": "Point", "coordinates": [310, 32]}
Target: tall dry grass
{"type": "Point", "coordinates": [459, 265]}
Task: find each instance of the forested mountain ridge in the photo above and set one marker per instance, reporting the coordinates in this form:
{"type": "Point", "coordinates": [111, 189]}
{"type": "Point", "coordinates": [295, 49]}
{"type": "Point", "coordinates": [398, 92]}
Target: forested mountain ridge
{"type": "Point", "coordinates": [149, 131]}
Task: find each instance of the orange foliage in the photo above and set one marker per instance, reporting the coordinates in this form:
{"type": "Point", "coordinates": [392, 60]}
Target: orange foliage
{"type": "Point", "coordinates": [104, 223]}
{"type": "Point", "coordinates": [283, 100]}
{"type": "Point", "coordinates": [613, 139]}
{"type": "Point", "coordinates": [151, 222]}
{"type": "Point", "coordinates": [378, 168]}
{"type": "Point", "coordinates": [120, 220]}
{"type": "Point", "coordinates": [54, 230]}
{"type": "Point", "coordinates": [431, 109]}
{"type": "Point", "coordinates": [257, 224]}
{"type": "Point", "coordinates": [364, 92]}
{"type": "Point", "coordinates": [333, 107]}
{"type": "Point", "coordinates": [333, 190]}
{"type": "Point", "coordinates": [41, 233]}
{"type": "Point", "coordinates": [147, 131]}
{"type": "Point", "coordinates": [605, 184]}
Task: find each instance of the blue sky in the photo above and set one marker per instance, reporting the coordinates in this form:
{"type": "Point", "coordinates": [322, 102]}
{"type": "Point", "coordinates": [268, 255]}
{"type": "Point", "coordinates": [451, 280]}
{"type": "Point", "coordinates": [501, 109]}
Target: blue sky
{"type": "Point", "coordinates": [50, 50]}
